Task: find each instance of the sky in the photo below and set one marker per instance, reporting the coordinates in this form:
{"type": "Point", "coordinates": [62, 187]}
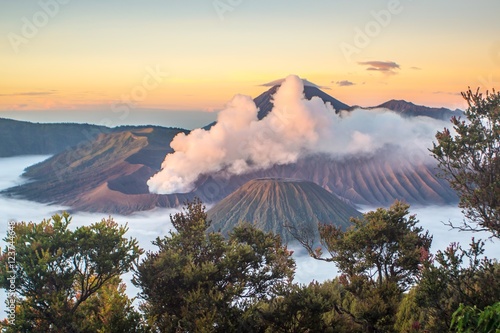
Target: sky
{"type": "Point", "coordinates": [111, 57]}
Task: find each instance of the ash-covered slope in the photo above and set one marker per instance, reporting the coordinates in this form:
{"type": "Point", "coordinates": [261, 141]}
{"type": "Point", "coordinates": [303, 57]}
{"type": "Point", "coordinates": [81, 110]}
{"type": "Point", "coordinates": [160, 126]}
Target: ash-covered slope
{"type": "Point", "coordinates": [107, 174]}
{"type": "Point", "coordinates": [374, 180]}
{"type": "Point", "coordinates": [273, 203]}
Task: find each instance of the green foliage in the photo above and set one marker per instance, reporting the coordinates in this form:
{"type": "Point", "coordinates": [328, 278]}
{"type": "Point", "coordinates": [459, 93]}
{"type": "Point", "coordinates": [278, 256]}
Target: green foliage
{"type": "Point", "coordinates": [199, 282]}
{"type": "Point", "coordinates": [58, 269]}
{"type": "Point", "coordinates": [468, 319]}
{"type": "Point", "coordinates": [110, 310]}
{"type": "Point", "coordinates": [470, 161]}
{"type": "Point", "coordinates": [449, 280]}
{"type": "Point", "coordinates": [311, 308]}
{"type": "Point", "coordinates": [379, 257]}
{"type": "Point", "coordinates": [411, 317]}
{"type": "Point", "coordinates": [384, 246]}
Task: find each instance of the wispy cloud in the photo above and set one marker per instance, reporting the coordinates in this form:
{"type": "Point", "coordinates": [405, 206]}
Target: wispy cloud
{"type": "Point", "coordinates": [30, 93]}
{"type": "Point", "coordinates": [447, 93]}
{"type": "Point", "coordinates": [416, 68]}
{"type": "Point", "coordinates": [344, 83]}
{"type": "Point", "coordinates": [388, 67]}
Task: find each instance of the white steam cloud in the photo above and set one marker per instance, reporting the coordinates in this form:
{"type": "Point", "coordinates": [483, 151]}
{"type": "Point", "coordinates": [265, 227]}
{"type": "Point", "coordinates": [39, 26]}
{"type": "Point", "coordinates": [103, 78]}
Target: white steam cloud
{"type": "Point", "coordinates": [296, 127]}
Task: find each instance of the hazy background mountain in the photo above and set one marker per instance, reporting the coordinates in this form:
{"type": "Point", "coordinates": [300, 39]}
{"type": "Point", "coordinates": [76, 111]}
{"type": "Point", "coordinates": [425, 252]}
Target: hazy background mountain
{"type": "Point", "coordinates": [27, 138]}
{"type": "Point", "coordinates": [408, 109]}
{"type": "Point", "coordinates": [117, 115]}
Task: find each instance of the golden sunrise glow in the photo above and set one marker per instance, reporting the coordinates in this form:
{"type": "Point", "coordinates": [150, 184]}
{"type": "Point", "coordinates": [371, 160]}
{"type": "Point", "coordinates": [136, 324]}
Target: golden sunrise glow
{"type": "Point", "coordinates": [74, 62]}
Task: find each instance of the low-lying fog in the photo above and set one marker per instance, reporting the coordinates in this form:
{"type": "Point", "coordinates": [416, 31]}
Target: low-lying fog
{"type": "Point", "coordinates": [146, 226]}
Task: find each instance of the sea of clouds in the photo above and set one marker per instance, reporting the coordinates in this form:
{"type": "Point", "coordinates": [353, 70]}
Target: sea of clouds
{"type": "Point", "coordinates": [146, 226]}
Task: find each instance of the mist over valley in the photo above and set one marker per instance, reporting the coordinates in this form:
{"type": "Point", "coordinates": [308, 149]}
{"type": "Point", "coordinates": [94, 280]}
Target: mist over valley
{"type": "Point", "coordinates": [147, 226]}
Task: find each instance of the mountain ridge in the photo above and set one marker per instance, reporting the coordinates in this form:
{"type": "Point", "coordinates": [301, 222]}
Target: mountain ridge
{"type": "Point", "coordinates": [409, 109]}
{"type": "Point", "coordinates": [265, 105]}
{"type": "Point", "coordinates": [17, 137]}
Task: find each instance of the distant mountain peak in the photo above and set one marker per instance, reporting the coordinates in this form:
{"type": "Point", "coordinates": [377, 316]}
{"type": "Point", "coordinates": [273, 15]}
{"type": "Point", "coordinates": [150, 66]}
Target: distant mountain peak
{"type": "Point", "coordinates": [264, 101]}
{"type": "Point", "coordinates": [306, 83]}
{"type": "Point", "coordinates": [410, 109]}
{"type": "Point", "coordinates": [401, 101]}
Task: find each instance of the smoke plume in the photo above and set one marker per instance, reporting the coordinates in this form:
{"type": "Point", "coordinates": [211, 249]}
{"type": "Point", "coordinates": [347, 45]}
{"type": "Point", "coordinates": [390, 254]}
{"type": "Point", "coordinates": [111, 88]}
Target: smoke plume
{"type": "Point", "coordinates": [296, 127]}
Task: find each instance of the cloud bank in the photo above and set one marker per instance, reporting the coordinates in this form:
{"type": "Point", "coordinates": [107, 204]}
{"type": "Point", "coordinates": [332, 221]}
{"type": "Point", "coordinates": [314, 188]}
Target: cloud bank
{"type": "Point", "coordinates": [296, 127]}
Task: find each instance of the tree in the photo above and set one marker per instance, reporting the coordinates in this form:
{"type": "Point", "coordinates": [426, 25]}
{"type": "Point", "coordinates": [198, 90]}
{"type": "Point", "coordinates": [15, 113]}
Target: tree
{"type": "Point", "coordinates": [199, 282]}
{"type": "Point", "coordinates": [57, 270]}
{"type": "Point", "coordinates": [411, 317]}
{"type": "Point", "coordinates": [470, 319]}
{"type": "Point", "coordinates": [309, 308]}
{"type": "Point", "coordinates": [110, 310]}
{"type": "Point", "coordinates": [379, 257]}
{"type": "Point", "coordinates": [456, 276]}
{"type": "Point", "coordinates": [470, 161]}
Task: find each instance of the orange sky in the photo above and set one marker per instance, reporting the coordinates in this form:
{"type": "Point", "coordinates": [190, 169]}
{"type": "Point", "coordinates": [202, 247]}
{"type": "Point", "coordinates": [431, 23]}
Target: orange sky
{"type": "Point", "coordinates": [174, 55]}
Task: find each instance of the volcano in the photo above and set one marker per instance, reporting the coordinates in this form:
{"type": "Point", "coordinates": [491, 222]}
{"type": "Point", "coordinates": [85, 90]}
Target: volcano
{"type": "Point", "coordinates": [107, 171]}
{"type": "Point", "coordinates": [264, 101]}
{"type": "Point", "coordinates": [265, 104]}
{"type": "Point", "coordinates": [277, 205]}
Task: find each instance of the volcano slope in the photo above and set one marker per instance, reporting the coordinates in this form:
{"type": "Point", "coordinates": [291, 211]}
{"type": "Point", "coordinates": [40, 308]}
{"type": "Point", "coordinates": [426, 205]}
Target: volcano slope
{"type": "Point", "coordinates": [107, 174]}
{"type": "Point", "coordinates": [281, 205]}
